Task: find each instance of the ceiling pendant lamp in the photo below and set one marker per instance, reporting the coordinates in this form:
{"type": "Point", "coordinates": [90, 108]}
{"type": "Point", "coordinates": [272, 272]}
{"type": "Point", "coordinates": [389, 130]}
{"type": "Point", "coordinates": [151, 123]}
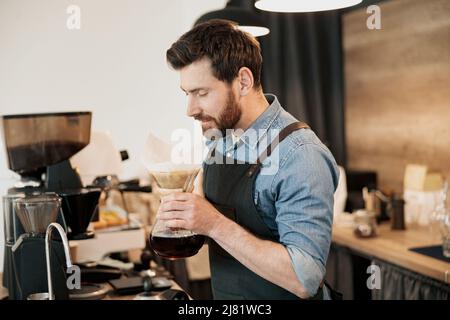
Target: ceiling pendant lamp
{"type": "Point", "coordinates": [303, 5]}
{"type": "Point", "coordinates": [243, 13]}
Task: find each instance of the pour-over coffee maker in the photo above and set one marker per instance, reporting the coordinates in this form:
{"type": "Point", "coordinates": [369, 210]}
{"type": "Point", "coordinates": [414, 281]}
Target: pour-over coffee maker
{"type": "Point", "coordinates": [38, 148]}
{"type": "Point", "coordinates": [78, 206]}
{"type": "Point", "coordinates": [173, 243]}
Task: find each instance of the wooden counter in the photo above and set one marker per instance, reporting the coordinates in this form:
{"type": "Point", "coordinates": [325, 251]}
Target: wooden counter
{"type": "Point", "coordinates": [392, 246]}
{"type": "Point", "coordinates": [3, 291]}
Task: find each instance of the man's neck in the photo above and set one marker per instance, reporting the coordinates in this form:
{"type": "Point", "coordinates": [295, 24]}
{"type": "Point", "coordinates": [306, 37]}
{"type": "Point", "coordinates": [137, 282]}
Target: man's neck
{"type": "Point", "coordinates": [252, 106]}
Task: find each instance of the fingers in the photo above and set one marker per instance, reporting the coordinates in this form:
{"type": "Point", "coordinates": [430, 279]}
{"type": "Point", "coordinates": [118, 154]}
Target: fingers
{"type": "Point", "coordinates": [177, 196]}
{"type": "Point", "coordinates": [171, 215]}
{"type": "Point", "coordinates": [173, 206]}
{"type": "Point", "coordinates": [173, 219]}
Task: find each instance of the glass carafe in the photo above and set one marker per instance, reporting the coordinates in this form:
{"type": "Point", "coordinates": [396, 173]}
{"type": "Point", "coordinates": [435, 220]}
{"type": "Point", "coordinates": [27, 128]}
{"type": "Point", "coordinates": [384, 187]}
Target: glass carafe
{"type": "Point", "coordinates": [174, 243]}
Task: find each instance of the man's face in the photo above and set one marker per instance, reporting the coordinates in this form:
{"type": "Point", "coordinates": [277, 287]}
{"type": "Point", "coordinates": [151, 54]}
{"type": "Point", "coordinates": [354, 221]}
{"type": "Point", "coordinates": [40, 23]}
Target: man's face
{"type": "Point", "coordinates": [210, 100]}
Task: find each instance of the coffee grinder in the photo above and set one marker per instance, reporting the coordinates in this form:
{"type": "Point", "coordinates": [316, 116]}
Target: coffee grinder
{"type": "Point", "coordinates": [38, 148]}
{"type": "Point", "coordinates": [26, 257]}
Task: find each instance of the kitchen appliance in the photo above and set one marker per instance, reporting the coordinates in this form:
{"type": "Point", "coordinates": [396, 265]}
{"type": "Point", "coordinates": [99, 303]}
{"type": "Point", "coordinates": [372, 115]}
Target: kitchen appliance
{"type": "Point", "coordinates": [100, 165]}
{"type": "Point", "coordinates": [38, 148]}
{"type": "Point", "coordinates": [26, 265]}
{"type": "Point", "coordinates": [50, 295]}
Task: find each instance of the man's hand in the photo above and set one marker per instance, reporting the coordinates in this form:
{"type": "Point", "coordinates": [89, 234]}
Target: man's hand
{"type": "Point", "coordinates": [268, 259]}
{"type": "Point", "coordinates": [189, 211]}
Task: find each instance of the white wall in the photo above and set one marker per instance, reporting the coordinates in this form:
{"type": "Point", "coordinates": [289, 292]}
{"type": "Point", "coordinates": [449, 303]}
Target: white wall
{"type": "Point", "coordinates": [113, 66]}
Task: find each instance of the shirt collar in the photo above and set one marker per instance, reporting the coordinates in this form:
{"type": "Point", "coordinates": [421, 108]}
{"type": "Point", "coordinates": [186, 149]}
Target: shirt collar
{"type": "Point", "coordinates": [260, 126]}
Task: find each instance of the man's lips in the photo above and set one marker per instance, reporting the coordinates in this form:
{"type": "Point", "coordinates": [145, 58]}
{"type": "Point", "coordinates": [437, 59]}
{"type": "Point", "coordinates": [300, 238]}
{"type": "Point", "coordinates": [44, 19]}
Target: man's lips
{"type": "Point", "coordinates": [205, 119]}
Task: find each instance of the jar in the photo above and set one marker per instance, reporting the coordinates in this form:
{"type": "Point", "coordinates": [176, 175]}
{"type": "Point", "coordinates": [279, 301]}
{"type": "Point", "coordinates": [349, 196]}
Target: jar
{"type": "Point", "coordinates": [365, 224]}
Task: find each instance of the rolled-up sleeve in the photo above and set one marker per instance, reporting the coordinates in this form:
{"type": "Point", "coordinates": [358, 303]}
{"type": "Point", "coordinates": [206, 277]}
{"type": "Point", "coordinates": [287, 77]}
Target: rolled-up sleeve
{"type": "Point", "coordinates": [304, 187]}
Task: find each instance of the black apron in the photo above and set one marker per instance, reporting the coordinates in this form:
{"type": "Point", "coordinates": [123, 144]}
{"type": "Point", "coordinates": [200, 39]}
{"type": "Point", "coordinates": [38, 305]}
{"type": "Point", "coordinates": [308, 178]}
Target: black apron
{"type": "Point", "coordinates": [229, 187]}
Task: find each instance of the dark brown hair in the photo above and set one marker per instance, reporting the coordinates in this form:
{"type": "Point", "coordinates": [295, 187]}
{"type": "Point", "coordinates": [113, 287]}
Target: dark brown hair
{"type": "Point", "coordinates": [228, 48]}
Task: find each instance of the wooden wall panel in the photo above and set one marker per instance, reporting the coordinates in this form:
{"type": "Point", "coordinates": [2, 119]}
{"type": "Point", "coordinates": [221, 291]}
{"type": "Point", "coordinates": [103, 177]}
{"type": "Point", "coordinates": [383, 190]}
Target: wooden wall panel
{"type": "Point", "coordinates": [398, 89]}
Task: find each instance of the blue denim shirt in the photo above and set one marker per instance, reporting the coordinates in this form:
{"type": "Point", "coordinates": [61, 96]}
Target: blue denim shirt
{"type": "Point", "coordinates": [294, 190]}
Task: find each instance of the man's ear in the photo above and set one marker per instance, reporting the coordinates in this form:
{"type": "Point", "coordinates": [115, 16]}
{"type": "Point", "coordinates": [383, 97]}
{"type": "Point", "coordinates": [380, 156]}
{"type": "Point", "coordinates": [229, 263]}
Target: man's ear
{"type": "Point", "coordinates": [246, 81]}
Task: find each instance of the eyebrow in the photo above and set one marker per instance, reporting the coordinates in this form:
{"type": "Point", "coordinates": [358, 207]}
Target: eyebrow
{"type": "Point", "coordinates": [193, 90]}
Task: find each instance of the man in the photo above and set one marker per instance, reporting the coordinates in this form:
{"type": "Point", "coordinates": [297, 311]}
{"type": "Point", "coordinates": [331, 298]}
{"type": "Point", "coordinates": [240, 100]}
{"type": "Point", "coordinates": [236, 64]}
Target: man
{"type": "Point", "coordinates": [270, 231]}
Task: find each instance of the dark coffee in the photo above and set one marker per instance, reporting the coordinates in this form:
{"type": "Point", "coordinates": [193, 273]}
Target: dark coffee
{"type": "Point", "coordinates": [176, 247]}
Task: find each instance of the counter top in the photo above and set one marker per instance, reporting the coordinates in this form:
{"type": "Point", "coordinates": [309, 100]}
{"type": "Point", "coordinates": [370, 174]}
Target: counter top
{"type": "Point", "coordinates": [110, 296]}
{"type": "Point", "coordinates": [3, 291]}
{"type": "Point", "coordinates": [393, 246]}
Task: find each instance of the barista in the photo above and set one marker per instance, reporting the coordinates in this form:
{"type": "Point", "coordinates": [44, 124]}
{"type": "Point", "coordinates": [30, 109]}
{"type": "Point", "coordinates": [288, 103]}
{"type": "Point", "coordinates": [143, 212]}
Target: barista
{"type": "Point", "coordinates": [268, 180]}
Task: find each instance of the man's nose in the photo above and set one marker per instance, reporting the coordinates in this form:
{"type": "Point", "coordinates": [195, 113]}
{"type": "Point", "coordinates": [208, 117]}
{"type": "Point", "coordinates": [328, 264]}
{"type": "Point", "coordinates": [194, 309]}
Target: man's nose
{"type": "Point", "coordinates": [192, 108]}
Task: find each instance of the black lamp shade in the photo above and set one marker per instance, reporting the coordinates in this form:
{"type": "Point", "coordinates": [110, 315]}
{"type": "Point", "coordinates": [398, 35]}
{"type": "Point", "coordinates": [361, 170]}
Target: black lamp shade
{"type": "Point", "coordinates": [244, 15]}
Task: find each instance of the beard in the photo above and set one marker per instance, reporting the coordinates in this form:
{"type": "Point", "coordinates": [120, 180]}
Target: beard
{"type": "Point", "coordinates": [227, 119]}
